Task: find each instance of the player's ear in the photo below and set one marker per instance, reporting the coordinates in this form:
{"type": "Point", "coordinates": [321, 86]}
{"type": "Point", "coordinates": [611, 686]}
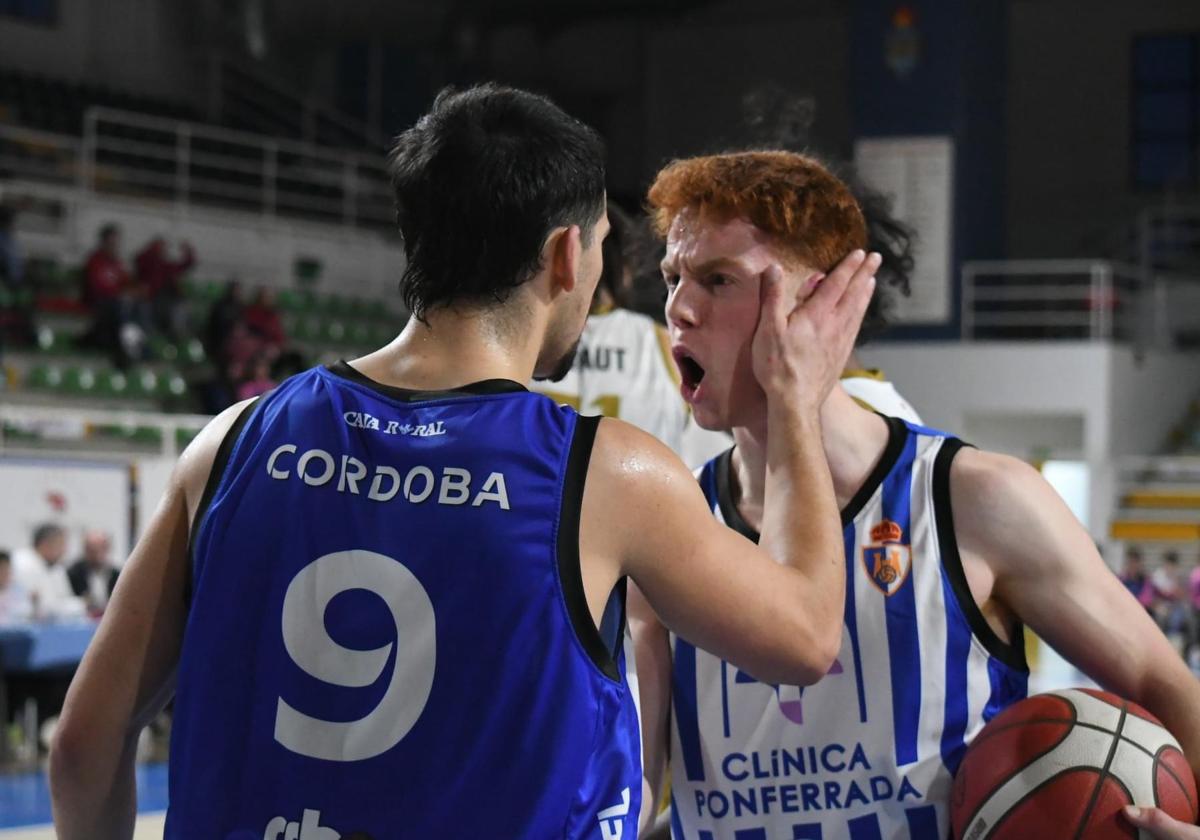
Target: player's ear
{"type": "Point", "coordinates": [562, 255]}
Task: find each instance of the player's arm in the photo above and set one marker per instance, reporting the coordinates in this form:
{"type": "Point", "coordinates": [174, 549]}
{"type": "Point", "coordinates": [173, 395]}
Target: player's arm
{"type": "Point", "coordinates": [652, 651]}
{"type": "Point", "coordinates": [1048, 572]}
{"type": "Point", "coordinates": [774, 610]}
{"type": "Point", "coordinates": [128, 673]}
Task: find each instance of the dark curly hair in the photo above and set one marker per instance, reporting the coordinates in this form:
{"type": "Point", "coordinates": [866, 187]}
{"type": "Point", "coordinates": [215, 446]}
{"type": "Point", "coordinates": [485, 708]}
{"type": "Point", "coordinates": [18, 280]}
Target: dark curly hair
{"type": "Point", "coordinates": [776, 118]}
{"type": "Point", "coordinates": [480, 181]}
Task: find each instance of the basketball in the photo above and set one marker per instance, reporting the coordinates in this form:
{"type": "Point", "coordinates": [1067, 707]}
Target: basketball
{"type": "Point", "coordinates": [1063, 764]}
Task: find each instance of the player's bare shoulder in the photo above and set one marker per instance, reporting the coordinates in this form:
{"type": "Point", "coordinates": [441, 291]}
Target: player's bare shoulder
{"type": "Point", "coordinates": [636, 483]}
{"type": "Point", "coordinates": [195, 464]}
{"type": "Point", "coordinates": [625, 456]}
{"type": "Point", "coordinates": [1003, 508]}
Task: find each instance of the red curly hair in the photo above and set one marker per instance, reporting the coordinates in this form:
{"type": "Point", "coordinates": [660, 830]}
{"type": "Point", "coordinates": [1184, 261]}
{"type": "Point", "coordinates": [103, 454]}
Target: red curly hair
{"type": "Point", "coordinates": [794, 198]}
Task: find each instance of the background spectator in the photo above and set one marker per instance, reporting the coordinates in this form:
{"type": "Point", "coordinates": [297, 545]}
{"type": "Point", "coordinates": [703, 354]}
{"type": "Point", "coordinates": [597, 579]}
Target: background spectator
{"type": "Point", "coordinates": [39, 570]}
{"type": "Point", "coordinates": [1171, 605]}
{"type": "Point", "coordinates": [16, 316]}
{"type": "Point", "coordinates": [259, 382]}
{"type": "Point", "coordinates": [159, 279]}
{"type": "Point", "coordinates": [94, 575]}
{"type": "Point", "coordinates": [110, 297]}
{"type": "Point", "coordinates": [15, 606]}
{"type": "Point", "coordinates": [225, 312]}
{"type": "Point", "coordinates": [1133, 573]}
{"type": "Point", "coordinates": [263, 319]}
{"type": "Point", "coordinates": [12, 264]}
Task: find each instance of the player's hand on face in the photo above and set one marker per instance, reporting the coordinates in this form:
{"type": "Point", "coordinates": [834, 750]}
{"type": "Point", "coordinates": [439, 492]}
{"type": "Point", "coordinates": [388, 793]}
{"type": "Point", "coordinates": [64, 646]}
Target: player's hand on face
{"type": "Point", "coordinates": [805, 335]}
{"type": "Point", "coordinates": [1160, 825]}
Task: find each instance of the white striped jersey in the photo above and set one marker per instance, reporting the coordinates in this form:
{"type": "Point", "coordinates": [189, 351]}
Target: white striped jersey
{"type": "Point", "coordinates": [868, 753]}
{"type": "Point", "coordinates": [624, 369]}
{"type": "Point", "coordinates": [871, 389]}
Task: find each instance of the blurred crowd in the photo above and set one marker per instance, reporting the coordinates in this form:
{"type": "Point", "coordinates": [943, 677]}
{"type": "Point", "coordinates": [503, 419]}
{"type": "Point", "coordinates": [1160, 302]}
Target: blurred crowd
{"type": "Point", "coordinates": [1171, 594]}
{"type": "Point", "coordinates": [128, 305]}
{"type": "Point", "coordinates": [38, 584]}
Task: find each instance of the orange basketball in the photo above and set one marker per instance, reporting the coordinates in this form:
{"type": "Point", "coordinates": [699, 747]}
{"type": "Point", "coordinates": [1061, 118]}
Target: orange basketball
{"type": "Point", "coordinates": [1063, 764]}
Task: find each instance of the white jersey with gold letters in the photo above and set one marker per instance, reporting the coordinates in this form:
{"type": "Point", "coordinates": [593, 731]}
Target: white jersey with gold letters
{"type": "Point", "coordinates": [624, 369]}
{"type": "Point", "coordinates": [872, 390]}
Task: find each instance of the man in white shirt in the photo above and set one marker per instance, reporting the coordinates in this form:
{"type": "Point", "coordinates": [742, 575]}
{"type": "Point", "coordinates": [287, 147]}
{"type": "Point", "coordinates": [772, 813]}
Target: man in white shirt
{"type": "Point", "coordinates": [14, 600]}
{"type": "Point", "coordinates": [39, 570]}
{"type": "Point", "coordinates": [94, 575]}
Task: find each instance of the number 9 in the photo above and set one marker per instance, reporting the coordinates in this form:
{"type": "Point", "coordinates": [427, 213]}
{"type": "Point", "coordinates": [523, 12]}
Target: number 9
{"type": "Point", "coordinates": [311, 648]}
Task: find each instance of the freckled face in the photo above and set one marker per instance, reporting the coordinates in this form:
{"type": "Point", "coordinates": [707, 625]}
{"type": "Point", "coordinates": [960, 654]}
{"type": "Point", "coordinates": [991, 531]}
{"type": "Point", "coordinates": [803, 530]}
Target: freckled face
{"type": "Point", "coordinates": [713, 272]}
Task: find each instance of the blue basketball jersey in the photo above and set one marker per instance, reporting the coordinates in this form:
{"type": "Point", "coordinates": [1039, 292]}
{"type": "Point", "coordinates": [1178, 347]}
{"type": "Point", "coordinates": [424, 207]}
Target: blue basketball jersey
{"type": "Point", "coordinates": [869, 752]}
{"type": "Point", "coordinates": [388, 635]}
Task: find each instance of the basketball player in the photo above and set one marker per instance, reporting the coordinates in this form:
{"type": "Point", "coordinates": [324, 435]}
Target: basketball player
{"type": "Point", "coordinates": [388, 595]}
{"type": "Point", "coordinates": [949, 551]}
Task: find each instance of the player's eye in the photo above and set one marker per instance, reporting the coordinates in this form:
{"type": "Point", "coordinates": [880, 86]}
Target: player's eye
{"type": "Point", "coordinates": [670, 280]}
{"type": "Point", "coordinates": [719, 280]}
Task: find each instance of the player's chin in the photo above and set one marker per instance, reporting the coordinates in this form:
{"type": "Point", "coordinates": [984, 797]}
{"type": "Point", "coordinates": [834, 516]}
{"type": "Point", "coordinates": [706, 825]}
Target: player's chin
{"type": "Point", "coordinates": [707, 417]}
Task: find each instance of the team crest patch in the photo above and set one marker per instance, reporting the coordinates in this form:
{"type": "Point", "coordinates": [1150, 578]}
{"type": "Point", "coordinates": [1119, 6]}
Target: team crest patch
{"type": "Point", "coordinates": [886, 559]}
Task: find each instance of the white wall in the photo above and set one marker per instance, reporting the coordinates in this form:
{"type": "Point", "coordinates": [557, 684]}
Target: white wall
{"type": "Point", "coordinates": [1088, 401]}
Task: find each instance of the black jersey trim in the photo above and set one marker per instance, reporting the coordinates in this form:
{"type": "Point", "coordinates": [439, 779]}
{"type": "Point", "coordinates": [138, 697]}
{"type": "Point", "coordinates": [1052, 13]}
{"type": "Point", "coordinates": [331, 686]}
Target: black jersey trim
{"type": "Point", "coordinates": [1011, 654]}
{"type": "Point", "coordinates": [729, 512]}
{"type": "Point", "coordinates": [215, 474]}
{"type": "Point", "coordinates": [570, 574]}
{"type": "Point", "coordinates": [343, 369]}
{"type": "Point", "coordinates": [897, 435]}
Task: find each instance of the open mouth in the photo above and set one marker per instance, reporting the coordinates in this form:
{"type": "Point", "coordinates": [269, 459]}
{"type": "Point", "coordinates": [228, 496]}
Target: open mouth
{"type": "Point", "coordinates": [690, 371]}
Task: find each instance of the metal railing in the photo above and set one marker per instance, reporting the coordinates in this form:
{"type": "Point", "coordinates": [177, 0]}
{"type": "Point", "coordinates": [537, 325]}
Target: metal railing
{"type": "Point", "coordinates": [98, 432]}
{"type": "Point", "coordinates": [1168, 237]}
{"type": "Point", "coordinates": [39, 154]}
{"type": "Point", "coordinates": [1055, 299]}
{"type": "Point", "coordinates": [187, 163]}
{"type": "Point", "coordinates": [243, 95]}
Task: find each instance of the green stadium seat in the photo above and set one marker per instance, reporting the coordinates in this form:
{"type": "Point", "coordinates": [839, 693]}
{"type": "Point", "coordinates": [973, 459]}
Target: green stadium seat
{"type": "Point", "coordinates": [287, 300]}
{"type": "Point", "coordinates": [193, 351]}
{"type": "Point", "coordinates": [172, 385]}
{"type": "Point", "coordinates": [112, 383]}
{"type": "Point", "coordinates": [335, 332]}
{"type": "Point", "coordinates": [44, 377]}
{"type": "Point", "coordinates": [184, 436]}
{"type": "Point", "coordinates": [80, 381]}
{"type": "Point", "coordinates": [310, 329]}
{"type": "Point", "coordinates": [143, 383]}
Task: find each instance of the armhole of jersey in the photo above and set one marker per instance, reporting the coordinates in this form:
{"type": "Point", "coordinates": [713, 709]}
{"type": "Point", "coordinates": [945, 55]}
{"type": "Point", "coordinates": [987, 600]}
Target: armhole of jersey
{"type": "Point", "coordinates": [1012, 654]}
{"type": "Point", "coordinates": [220, 462]}
{"type": "Point", "coordinates": [569, 572]}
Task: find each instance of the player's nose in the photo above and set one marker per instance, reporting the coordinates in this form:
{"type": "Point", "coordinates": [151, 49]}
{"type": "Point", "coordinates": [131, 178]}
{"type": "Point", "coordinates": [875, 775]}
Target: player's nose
{"type": "Point", "coordinates": [683, 309]}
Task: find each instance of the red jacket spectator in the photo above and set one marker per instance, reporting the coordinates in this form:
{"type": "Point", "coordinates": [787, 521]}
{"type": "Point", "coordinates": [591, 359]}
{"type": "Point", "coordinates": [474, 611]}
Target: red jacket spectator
{"type": "Point", "coordinates": [158, 274]}
{"type": "Point", "coordinates": [104, 278]}
{"type": "Point", "coordinates": [263, 319]}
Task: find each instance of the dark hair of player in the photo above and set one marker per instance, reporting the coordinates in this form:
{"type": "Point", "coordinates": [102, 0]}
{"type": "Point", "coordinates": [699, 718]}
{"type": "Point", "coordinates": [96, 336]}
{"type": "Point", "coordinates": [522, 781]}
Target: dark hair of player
{"type": "Point", "coordinates": [777, 118]}
{"type": "Point", "coordinates": [480, 181]}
